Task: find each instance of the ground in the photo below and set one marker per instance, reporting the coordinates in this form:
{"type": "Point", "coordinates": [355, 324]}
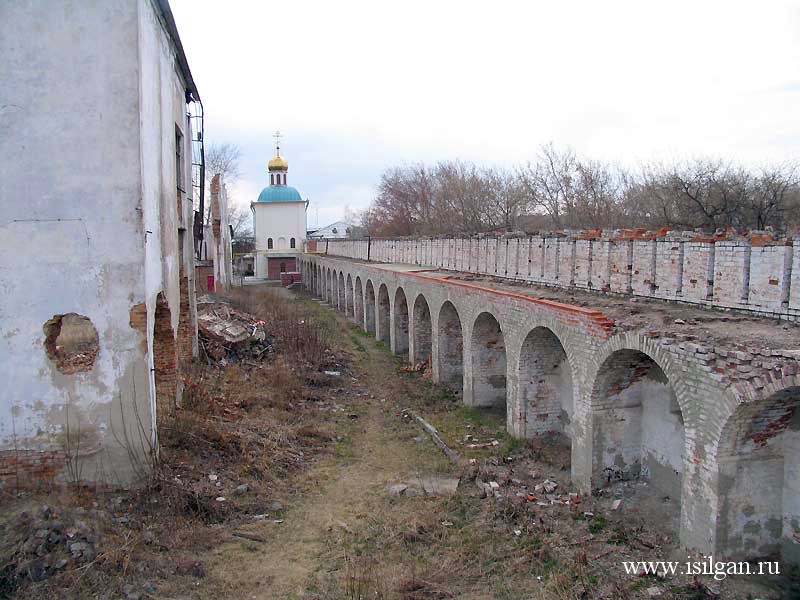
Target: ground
{"type": "Point", "coordinates": [324, 459]}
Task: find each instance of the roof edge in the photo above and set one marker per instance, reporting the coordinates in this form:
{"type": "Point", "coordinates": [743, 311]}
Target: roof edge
{"type": "Point", "coordinates": [172, 29]}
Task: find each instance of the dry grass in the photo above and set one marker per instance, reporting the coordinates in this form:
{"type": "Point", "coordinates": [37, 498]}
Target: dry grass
{"type": "Point", "coordinates": [304, 338]}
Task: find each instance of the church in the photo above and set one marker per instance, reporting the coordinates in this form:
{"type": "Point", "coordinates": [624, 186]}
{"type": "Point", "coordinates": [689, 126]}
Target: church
{"type": "Point", "coordinates": [279, 222]}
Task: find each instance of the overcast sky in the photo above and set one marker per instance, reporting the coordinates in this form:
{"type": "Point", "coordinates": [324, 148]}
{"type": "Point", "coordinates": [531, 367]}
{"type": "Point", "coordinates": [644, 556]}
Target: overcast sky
{"type": "Point", "coordinates": [357, 87]}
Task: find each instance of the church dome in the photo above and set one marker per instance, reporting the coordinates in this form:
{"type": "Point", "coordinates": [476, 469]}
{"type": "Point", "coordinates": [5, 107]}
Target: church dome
{"type": "Point", "coordinates": [279, 193]}
{"type": "Point", "coordinates": [278, 163]}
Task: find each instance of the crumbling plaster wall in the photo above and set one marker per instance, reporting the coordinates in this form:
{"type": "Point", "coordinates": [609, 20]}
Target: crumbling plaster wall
{"type": "Point", "coordinates": [71, 230]}
{"type": "Point", "coordinates": [217, 238]}
{"type": "Point", "coordinates": [676, 407]}
{"type": "Point", "coordinates": [82, 218]}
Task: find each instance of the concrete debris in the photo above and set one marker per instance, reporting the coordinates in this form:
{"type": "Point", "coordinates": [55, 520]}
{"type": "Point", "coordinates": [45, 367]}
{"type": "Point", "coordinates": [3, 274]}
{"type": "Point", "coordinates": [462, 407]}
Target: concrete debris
{"type": "Point", "coordinates": [333, 373]}
{"type": "Point", "coordinates": [229, 334]}
{"type": "Point", "coordinates": [483, 444]}
{"type": "Point", "coordinates": [397, 489]}
{"type": "Point", "coordinates": [617, 504]}
{"type": "Point", "coordinates": [654, 592]}
{"type": "Point", "coordinates": [547, 486]}
{"type": "Point", "coordinates": [425, 486]}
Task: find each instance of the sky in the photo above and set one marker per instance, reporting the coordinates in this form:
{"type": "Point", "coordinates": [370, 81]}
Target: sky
{"type": "Point", "coordinates": [358, 87]}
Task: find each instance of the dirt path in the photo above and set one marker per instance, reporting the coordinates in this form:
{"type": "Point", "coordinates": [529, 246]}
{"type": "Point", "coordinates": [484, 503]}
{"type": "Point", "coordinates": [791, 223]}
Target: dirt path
{"type": "Point", "coordinates": [338, 497]}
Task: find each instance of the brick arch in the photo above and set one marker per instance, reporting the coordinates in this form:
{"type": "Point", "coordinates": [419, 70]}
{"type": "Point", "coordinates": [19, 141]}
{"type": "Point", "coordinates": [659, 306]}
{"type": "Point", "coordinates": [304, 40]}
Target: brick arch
{"type": "Point", "coordinates": [450, 336]}
{"type": "Point", "coordinates": [340, 293]}
{"type": "Point", "coordinates": [422, 328]}
{"type": "Point", "coordinates": [650, 348]}
{"type": "Point", "coordinates": [370, 306]}
{"type": "Point", "coordinates": [488, 350]}
{"type": "Point", "coordinates": [358, 304]}
{"type": "Point", "coordinates": [546, 386]}
{"type": "Point", "coordinates": [348, 297]}
{"type": "Point", "coordinates": [758, 449]}
{"type": "Point", "coordinates": [400, 323]}
{"type": "Point", "coordinates": [384, 318]}
{"type": "Point", "coordinates": [638, 422]}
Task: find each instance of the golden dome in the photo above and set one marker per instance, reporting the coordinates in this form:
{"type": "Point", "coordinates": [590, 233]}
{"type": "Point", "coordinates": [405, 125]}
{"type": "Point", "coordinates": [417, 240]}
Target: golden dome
{"type": "Point", "coordinates": [278, 163]}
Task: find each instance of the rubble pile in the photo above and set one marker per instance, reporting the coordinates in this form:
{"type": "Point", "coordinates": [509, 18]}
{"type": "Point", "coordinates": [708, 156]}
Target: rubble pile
{"type": "Point", "coordinates": [423, 367]}
{"type": "Point", "coordinates": [227, 334]}
{"type": "Point", "coordinates": [47, 542]}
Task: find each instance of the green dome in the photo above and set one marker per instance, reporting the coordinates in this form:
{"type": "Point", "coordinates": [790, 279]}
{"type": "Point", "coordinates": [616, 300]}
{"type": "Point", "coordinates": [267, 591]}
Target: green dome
{"type": "Point", "coordinates": [279, 193]}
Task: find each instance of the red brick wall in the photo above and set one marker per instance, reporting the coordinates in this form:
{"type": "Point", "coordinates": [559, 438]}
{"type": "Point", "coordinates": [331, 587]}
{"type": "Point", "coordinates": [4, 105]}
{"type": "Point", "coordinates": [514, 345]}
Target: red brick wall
{"type": "Point", "coordinates": [201, 273]}
{"type": "Point", "coordinates": [26, 467]}
{"type": "Point", "coordinates": [274, 266]}
{"type": "Point", "coordinates": [165, 360]}
{"type": "Point", "coordinates": [185, 328]}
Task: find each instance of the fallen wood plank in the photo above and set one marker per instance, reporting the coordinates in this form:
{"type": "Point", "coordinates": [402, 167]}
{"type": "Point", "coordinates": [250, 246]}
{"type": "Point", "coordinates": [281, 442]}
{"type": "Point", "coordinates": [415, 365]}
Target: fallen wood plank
{"type": "Point", "coordinates": [434, 433]}
{"type": "Point", "coordinates": [248, 536]}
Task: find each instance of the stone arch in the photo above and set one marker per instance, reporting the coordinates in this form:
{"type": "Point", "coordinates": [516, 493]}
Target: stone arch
{"type": "Point", "coordinates": [384, 315]}
{"type": "Point", "coordinates": [332, 287]}
{"type": "Point", "coordinates": [423, 333]}
{"type": "Point", "coordinates": [759, 480]}
{"type": "Point", "coordinates": [546, 386]}
{"type": "Point", "coordinates": [400, 324]}
{"type": "Point", "coordinates": [340, 289]}
{"type": "Point", "coordinates": [348, 297]}
{"type": "Point", "coordinates": [638, 426]}
{"type": "Point", "coordinates": [358, 304]}
{"type": "Point", "coordinates": [450, 335]}
{"type": "Point", "coordinates": [165, 360]}
{"type": "Point", "coordinates": [488, 362]}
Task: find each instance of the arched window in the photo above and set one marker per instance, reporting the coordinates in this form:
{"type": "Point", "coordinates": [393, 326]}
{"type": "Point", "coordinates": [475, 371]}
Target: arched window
{"type": "Point", "coordinates": [283, 267]}
{"type": "Point", "coordinates": [269, 244]}
{"type": "Point", "coordinates": [291, 243]}
{"type": "Point", "coordinates": [271, 179]}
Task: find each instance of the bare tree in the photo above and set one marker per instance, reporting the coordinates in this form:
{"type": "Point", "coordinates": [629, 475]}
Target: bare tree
{"type": "Point", "coordinates": [223, 159]}
{"type": "Point", "coordinates": [559, 189]}
{"type": "Point", "coordinates": [241, 221]}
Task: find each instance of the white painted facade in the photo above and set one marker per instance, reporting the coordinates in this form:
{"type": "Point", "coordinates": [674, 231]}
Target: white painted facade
{"type": "Point", "coordinates": [92, 98]}
{"type": "Point", "coordinates": [279, 222]}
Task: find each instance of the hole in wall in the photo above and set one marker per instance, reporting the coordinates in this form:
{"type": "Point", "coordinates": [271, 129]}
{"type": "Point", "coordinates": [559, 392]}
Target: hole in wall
{"type": "Point", "coordinates": [71, 342]}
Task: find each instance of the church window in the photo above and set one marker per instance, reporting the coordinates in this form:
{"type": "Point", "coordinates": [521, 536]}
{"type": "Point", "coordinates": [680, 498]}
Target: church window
{"type": "Point", "coordinates": [291, 243]}
{"type": "Point", "coordinates": [271, 179]}
{"type": "Point", "coordinates": [283, 267]}
{"type": "Point", "coordinates": [269, 244]}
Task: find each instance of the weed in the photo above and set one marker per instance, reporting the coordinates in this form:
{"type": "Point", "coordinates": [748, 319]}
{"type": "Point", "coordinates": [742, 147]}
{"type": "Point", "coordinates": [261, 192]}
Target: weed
{"type": "Point", "coordinates": [597, 524]}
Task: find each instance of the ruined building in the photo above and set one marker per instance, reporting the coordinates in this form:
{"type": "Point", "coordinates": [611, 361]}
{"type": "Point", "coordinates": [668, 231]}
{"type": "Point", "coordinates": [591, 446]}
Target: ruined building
{"type": "Point", "coordinates": [214, 265]}
{"type": "Point", "coordinates": [97, 312]}
{"type": "Point", "coordinates": [679, 383]}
